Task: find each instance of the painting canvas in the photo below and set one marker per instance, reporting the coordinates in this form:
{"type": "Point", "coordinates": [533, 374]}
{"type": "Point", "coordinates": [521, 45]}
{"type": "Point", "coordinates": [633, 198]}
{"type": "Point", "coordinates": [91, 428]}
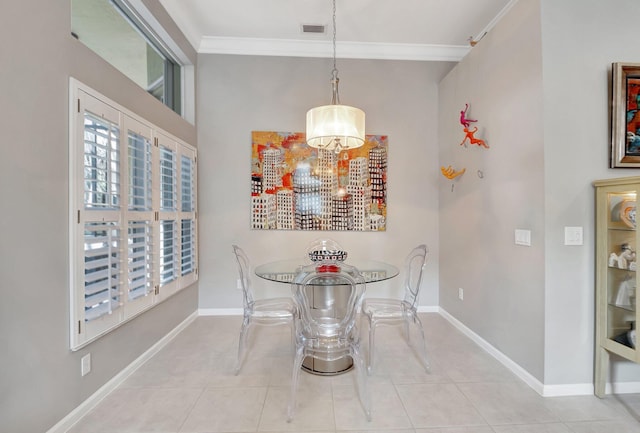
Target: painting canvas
{"type": "Point", "coordinates": [297, 187]}
{"type": "Point", "coordinates": [625, 116]}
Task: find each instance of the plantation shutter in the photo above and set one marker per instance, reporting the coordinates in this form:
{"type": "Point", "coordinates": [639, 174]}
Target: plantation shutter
{"type": "Point", "coordinates": [102, 269]}
{"type": "Point", "coordinates": [168, 215]}
{"type": "Point", "coordinates": [188, 212]}
{"type": "Point", "coordinates": [133, 224]}
{"type": "Point", "coordinates": [188, 215]}
{"type": "Point", "coordinates": [139, 217]}
{"type": "Point", "coordinates": [96, 238]}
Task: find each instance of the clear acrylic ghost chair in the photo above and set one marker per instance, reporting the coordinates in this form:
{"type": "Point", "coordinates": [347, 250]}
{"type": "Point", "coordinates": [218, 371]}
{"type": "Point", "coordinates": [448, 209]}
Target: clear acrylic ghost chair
{"type": "Point", "coordinates": [269, 311]}
{"type": "Point", "coordinates": [329, 333]}
{"type": "Point", "coordinates": [385, 311]}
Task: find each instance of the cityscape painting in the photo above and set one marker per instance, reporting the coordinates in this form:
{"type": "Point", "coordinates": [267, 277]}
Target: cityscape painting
{"type": "Point", "coordinates": [297, 187]}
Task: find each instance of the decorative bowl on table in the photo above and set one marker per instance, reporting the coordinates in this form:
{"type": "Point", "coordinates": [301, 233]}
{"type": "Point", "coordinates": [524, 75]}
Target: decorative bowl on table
{"type": "Point", "coordinates": [327, 255]}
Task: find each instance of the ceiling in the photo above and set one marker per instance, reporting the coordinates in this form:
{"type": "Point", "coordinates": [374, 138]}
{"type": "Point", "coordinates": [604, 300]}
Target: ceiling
{"type": "Point", "coordinates": [376, 29]}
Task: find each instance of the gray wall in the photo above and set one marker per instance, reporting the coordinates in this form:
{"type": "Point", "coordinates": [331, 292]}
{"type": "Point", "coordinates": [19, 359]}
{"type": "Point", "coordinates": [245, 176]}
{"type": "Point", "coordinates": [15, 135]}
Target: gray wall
{"type": "Point", "coordinates": [238, 94]}
{"type": "Point", "coordinates": [501, 80]}
{"type": "Point", "coordinates": [40, 380]}
{"type": "Point", "coordinates": [580, 41]}
{"type": "Point", "coordinates": [539, 84]}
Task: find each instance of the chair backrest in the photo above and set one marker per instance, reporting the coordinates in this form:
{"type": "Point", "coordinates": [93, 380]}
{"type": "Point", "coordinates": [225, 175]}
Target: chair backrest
{"type": "Point", "coordinates": [414, 267]}
{"type": "Point", "coordinates": [328, 302]}
{"type": "Point", "coordinates": [244, 271]}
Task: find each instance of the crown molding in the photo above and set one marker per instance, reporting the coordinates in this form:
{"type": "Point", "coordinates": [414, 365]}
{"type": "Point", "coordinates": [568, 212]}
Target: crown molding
{"type": "Point", "coordinates": [344, 50]}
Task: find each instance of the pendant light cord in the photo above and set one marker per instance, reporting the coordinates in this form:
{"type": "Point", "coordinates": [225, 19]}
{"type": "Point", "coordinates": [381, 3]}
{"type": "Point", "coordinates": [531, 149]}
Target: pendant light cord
{"type": "Point", "coordinates": [335, 98]}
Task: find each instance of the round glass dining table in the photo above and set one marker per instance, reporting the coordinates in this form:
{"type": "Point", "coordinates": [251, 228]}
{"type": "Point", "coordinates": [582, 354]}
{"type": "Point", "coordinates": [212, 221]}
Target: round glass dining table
{"type": "Point", "coordinates": [283, 271]}
{"type": "Point", "coordinates": [326, 299]}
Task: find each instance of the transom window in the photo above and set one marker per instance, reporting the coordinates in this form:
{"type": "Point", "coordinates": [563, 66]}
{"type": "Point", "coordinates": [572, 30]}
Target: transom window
{"type": "Point", "coordinates": [114, 31]}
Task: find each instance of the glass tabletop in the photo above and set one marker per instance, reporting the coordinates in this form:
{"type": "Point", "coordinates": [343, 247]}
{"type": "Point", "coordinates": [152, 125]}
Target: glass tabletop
{"type": "Point", "coordinates": [283, 271]}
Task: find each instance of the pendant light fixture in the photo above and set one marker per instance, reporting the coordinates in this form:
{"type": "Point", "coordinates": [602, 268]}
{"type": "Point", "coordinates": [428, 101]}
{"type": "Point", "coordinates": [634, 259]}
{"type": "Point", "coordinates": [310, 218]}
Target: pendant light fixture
{"type": "Point", "coordinates": [335, 127]}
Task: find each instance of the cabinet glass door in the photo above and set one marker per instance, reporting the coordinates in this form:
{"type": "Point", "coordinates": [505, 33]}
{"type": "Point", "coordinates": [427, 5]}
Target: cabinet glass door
{"type": "Point", "coordinates": [621, 270]}
{"type": "Point", "coordinates": [616, 276]}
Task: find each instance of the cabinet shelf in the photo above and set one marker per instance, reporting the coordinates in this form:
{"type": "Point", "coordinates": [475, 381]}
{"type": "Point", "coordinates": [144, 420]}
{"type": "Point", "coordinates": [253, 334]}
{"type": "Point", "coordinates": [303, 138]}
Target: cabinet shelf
{"type": "Point", "coordinates": [621, 269]}
{"type": "Point", "coordinates": [629, 307]}
{"type": "Point", "coordinates": [621, 229]}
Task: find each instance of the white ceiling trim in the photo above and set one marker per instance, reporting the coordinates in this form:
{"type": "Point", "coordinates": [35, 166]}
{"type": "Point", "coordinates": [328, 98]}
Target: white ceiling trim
{"type": "Point", "coordinates": [495, 20]}
{"type": "Point", "coordinates": [344, 50]}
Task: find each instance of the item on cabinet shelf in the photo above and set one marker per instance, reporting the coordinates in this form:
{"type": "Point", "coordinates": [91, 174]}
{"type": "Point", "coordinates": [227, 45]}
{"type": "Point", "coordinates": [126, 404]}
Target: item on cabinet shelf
{"type": "Point", "coordinates": [624, 211]}
{"type": "Point", "coordinates": [623, 339]}
{"type": "Point", "coordinates": [628, 213]}
{"type": "Point", "coordinates": [626, 291]}
{"type": "Point", "coordinates": [626, 257]}
{"type": "Point", "coordinates": [628, 338]}
{"type": "Point", "coordinates": [613, 260]}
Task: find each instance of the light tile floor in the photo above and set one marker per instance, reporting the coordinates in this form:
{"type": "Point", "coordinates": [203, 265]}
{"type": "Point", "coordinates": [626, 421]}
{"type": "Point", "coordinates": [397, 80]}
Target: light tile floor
{"type": "Point", "coordinates": [189, 387]}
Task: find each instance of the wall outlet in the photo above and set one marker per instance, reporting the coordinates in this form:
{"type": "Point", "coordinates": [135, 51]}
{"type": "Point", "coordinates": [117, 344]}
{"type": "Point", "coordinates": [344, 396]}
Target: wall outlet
{"type": "Point", "coordinates": [85, 364]}
{"type": "Point", "coordinates": [239, 284]}
{"type": "Point", "coordinates": [461, 293]}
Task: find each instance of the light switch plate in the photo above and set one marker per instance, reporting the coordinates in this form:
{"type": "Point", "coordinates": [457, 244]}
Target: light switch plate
{"type": "Point", "coordinates": [523, 237]}
{"type": "Point", "coordinates": [573, 236]}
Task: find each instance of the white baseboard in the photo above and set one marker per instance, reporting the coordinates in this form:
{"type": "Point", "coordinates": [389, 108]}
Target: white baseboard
{"type": "Point", "coordinates": [220, 311]}
{"type": "Point", "coordinates": [525, 376]}
{"type": "Point", "coordinates": [501, 357]}
{"type": "Point", "coordinates": [85, 407]}
{"type": "Point", "coordinates": [623, 388]}
{"type": "Point", "coordinates": [570, 389]}
{"type": "Point", "coordinates": [429, 309]}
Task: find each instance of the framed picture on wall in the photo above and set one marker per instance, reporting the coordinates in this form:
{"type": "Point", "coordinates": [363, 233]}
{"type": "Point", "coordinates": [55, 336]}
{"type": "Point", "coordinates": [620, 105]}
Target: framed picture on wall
{"type": "Point", "coordinates": [297, 187]}
{"type": "Point", "coordinates": [625, 115]}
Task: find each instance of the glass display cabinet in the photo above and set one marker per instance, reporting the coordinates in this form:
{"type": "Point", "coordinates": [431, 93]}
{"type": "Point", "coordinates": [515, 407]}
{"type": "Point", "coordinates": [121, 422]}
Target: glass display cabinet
{"type": "Point", "coordinates": [616, 276]}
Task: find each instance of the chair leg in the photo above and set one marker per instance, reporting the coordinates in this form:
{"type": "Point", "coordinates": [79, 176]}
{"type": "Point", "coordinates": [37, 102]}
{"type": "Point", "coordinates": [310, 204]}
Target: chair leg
{"type": "Point", "coordinates": [297, 366]}
{"type": "Point", "coordinates": [371, 355]}
{"type": "Point", "coordinates": [242, 344]}
{"type": "Point", "coordinates": [407, 330]}
{"type": "Point", "coordinates": [423, 349]}
{"type": "Point", "coordinates": [293, 336]}
{"type": "Point", "coordinates": [361, 379]}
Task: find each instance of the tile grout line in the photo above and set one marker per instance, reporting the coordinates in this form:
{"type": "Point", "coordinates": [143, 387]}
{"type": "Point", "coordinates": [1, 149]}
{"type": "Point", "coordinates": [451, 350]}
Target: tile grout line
{"type": "Point", "coordinates": [190, 411]}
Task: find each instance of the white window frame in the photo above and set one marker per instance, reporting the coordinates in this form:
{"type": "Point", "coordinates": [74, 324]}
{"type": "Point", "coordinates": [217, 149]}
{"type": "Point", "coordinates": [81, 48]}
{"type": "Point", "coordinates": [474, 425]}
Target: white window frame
{"type": "Point", "coordinates": [116, 256]}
